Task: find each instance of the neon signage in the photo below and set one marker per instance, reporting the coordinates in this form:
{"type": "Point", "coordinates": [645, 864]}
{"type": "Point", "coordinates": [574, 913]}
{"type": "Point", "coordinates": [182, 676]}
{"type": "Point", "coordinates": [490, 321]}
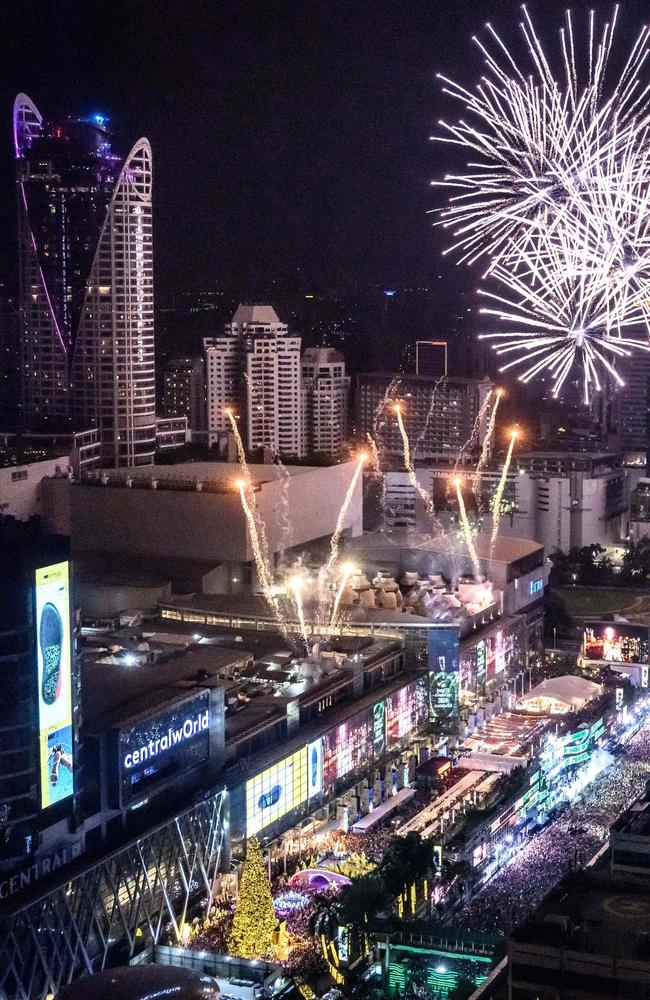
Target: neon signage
{"type": "Point", "coordinates": [189, 728]}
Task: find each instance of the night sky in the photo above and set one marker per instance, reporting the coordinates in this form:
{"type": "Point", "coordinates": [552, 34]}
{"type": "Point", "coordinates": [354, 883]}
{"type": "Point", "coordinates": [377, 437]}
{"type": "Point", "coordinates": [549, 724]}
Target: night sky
{"type": "Point", "coordinates": [286, 135]}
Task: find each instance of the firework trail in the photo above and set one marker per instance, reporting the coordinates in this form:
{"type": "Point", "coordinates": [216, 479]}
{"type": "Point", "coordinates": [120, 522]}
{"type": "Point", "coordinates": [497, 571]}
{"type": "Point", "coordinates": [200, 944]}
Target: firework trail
{"type": "Point", "coordinates": [383, 404]}
{"type": "Point", "coordinates": [425, 427]}
{"type": "Point", "coordinates": [241, 454]}
{"type": "Point", "coordinates": [375, 465]}
{"type": "Point", "coordinates": [347, 570]}
{"type": "Point", "coordinates": [474, 436]}
{"type": "Point", "coordinates": [375, 460]}
{"type": "Point", "coordinates": [467, 531]}
{"type": "Point", "coordinates": [340, 521]}
{"type": "Point", "coordinates": [261, 564]}
{"type": "Point", "coordinates": [485, 450]}
{"type": "Point", "coordinates": [256, 529]}
{"type": "Point", "coordinates": [408, 462]}
{"type": "Point", "coordinates": [283, 508]}
{"type": "Point", "coordinates": [326, 572]}
{"type": "Point", "coordinates": [295, 586]}
{"type": "Point", "coordinates": [498, 496]}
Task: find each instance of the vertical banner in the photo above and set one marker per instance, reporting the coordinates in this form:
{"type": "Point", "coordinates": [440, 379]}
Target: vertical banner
{"type": "Point", "coordinates": [379, 728]}
{"type": "Point", "coordinates": [443, 656]}
{"type": "Point", "coordinates": [315, 767]}
{"type": "Point", "coordinates": [52, 592]}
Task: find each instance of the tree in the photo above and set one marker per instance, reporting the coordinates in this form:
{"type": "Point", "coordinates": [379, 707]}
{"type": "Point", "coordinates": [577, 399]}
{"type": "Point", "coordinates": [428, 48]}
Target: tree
{"type": "Point", "coordinates": [588, 566]}
{"type": "Point", "coordinates": [255, 922]}
{"type": "Point", "coordinates": [406, 860]}
{"type": "Point", "coordinates": [636, 562]}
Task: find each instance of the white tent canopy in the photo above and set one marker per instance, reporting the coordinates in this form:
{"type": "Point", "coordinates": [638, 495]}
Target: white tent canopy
{"type": "Point", "coordinates": [559, 694]}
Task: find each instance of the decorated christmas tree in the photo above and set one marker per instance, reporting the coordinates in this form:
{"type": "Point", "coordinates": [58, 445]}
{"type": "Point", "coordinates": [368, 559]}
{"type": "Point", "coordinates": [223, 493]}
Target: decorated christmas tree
{"type": "Point", "coordinates": [255, 921]}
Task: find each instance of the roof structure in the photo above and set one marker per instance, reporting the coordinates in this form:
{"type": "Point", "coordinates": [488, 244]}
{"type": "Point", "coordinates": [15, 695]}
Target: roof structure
{"type": "Point", "coordinates": [569, 690]}
{"type": "Point", "coordinates": [255, 314]}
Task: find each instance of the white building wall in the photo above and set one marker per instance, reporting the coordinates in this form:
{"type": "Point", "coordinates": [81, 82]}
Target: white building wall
{"type": "Point", "coordinates": [222, 364]}
{"type": "Point", "coordinates": [21, 486]}
{"type": "Point", "coordinates": [113, 371]}
{"type": "Point", "coordinates": [326, 387]}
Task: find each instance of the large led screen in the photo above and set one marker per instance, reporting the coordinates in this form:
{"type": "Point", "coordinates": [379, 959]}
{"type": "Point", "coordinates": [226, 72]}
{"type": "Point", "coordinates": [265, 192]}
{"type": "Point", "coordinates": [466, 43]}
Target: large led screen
{"type": "Point", "coordinates": [164, 745]}
{"type": "Point", "coordinates": [406, 711]}
{"type": "Point", "coordinates": [443, 650]}
{"type": "Point", "coordinates": [315, 767]}
{"type": "Point", "coordinates": [276, 791]}
{"type": "Point", "coordinates": [56, 750]}
{"type": "Point", "coordinates": [616, 643]}
{"type": "Point", "coordinates": [349, 746]}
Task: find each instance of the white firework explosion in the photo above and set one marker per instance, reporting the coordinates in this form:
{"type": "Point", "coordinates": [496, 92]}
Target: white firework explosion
{"type": "Point", "coordinates": [549, 152]}
{"type": "Point", "coordinates": [553, 318]}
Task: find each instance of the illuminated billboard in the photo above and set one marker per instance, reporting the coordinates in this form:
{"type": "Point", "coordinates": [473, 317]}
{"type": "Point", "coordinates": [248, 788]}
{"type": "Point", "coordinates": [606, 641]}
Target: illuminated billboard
{"type": "Point", "coordinates": [616, 642]}
{"type": "Point", "coordinates": [406, 711]}
{"type": "Point", "coordinates": [276, 791]}
{"type": "Point", "coordinates": [443, 655]}
{"type": "Point", "coordinates": [164, 745]}
{"type": "Point", "coordinates": [54, 659]}
{"type": "Point", "coordinates": [348, 746]}
{"type": "Point", "coordinates": [379, 728]}
{"type": "Point", "coordinates": [499, 651]}
{"type": "Point", "coordinates": [315, 767]}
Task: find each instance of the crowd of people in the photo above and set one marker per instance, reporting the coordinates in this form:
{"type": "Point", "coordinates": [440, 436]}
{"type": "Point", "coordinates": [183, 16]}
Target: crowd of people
{"type": "Point", "coordinates": [568, 842]}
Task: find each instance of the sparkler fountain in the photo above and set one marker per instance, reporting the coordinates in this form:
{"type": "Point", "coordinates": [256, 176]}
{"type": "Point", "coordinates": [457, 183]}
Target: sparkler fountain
{"type": "Point", "coordinates": [408, 462]}
{"type": "Point", "coordinates": [347, 570]}
{"type": "Point", "coordinates": [296, 585]}
{"type": "Point", "coordinates": [467, 531]}
{"type": "Point", "coordinates": [485, 450]}
{"type": "Point", "coordinates": [498, 496]}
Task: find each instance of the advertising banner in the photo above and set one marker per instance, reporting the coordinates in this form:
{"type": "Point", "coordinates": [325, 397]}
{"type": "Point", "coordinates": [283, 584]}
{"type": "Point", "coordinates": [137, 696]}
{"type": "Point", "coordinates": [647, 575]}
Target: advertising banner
{"type": "Point", "coordinates": [379, 728]}
{"type": "Point", "coordinates": [54, 664]}
{"type": "Point", "coordinates": [406, 710]}
{"type": "Point", "coordinates": [315, 767]}
{"type": "Point", "coordinates": [276, 791]}
{"type": "Point", "coordinates": [348, 746]}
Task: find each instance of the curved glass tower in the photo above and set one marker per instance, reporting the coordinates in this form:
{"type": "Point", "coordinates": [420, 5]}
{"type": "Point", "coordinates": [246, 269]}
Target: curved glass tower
{"type": "Point", "coordinates": [86, 265]}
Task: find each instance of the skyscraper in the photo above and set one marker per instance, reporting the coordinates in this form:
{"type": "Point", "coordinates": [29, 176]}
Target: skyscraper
{"type": "Point", "coordinates": [86, 283]}
{"type": "Point", "coordinates": [325, 390]}
{"type": "Point", "coordinates": [255, 368]}
{"type": "Point", "coordinates": [184, 392]}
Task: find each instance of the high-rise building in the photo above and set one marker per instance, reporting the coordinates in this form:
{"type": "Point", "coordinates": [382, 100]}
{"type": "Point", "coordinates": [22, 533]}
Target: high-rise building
{"type": "Point", "coordinates": [439, 414]}
{"type": "Point", "coordinates": [86, 283]}
{"type": "Point", "coordinates": [630, 406]}
{"type": "Point", "coordinates": [254, 367]}
{"type": "Point", "coordinates": [431, 357]}
{"type": "Point", "coordinates": [184, 392]}
{"type": "Point", "coordinates": [325, 390]}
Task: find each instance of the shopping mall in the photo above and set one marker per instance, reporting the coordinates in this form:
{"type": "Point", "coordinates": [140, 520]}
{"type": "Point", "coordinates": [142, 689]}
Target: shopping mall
{"type": "Point", "coordinates": [204, 723]}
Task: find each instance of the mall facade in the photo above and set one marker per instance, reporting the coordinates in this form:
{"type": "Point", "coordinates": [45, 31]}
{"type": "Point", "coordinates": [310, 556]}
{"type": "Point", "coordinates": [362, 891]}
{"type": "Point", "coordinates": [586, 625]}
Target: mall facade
{"type": "Point", "coordinates": [161, 747]}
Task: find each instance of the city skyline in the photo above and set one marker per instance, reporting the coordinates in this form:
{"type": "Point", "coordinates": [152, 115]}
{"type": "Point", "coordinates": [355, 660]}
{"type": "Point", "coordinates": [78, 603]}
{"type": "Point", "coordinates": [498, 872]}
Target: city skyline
{"type": "Point", "coordinates": [321, 115]}
{"type": "Point", "coordinates": [86, 336]}
{"type": "Point", "coordinates": [325, 637]}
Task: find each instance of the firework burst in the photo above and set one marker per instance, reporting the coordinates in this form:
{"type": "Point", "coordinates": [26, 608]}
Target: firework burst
{"type": "Point", "coordinates": [545, 141]}
{"type": "Point", "coordinates": [551, 320]}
